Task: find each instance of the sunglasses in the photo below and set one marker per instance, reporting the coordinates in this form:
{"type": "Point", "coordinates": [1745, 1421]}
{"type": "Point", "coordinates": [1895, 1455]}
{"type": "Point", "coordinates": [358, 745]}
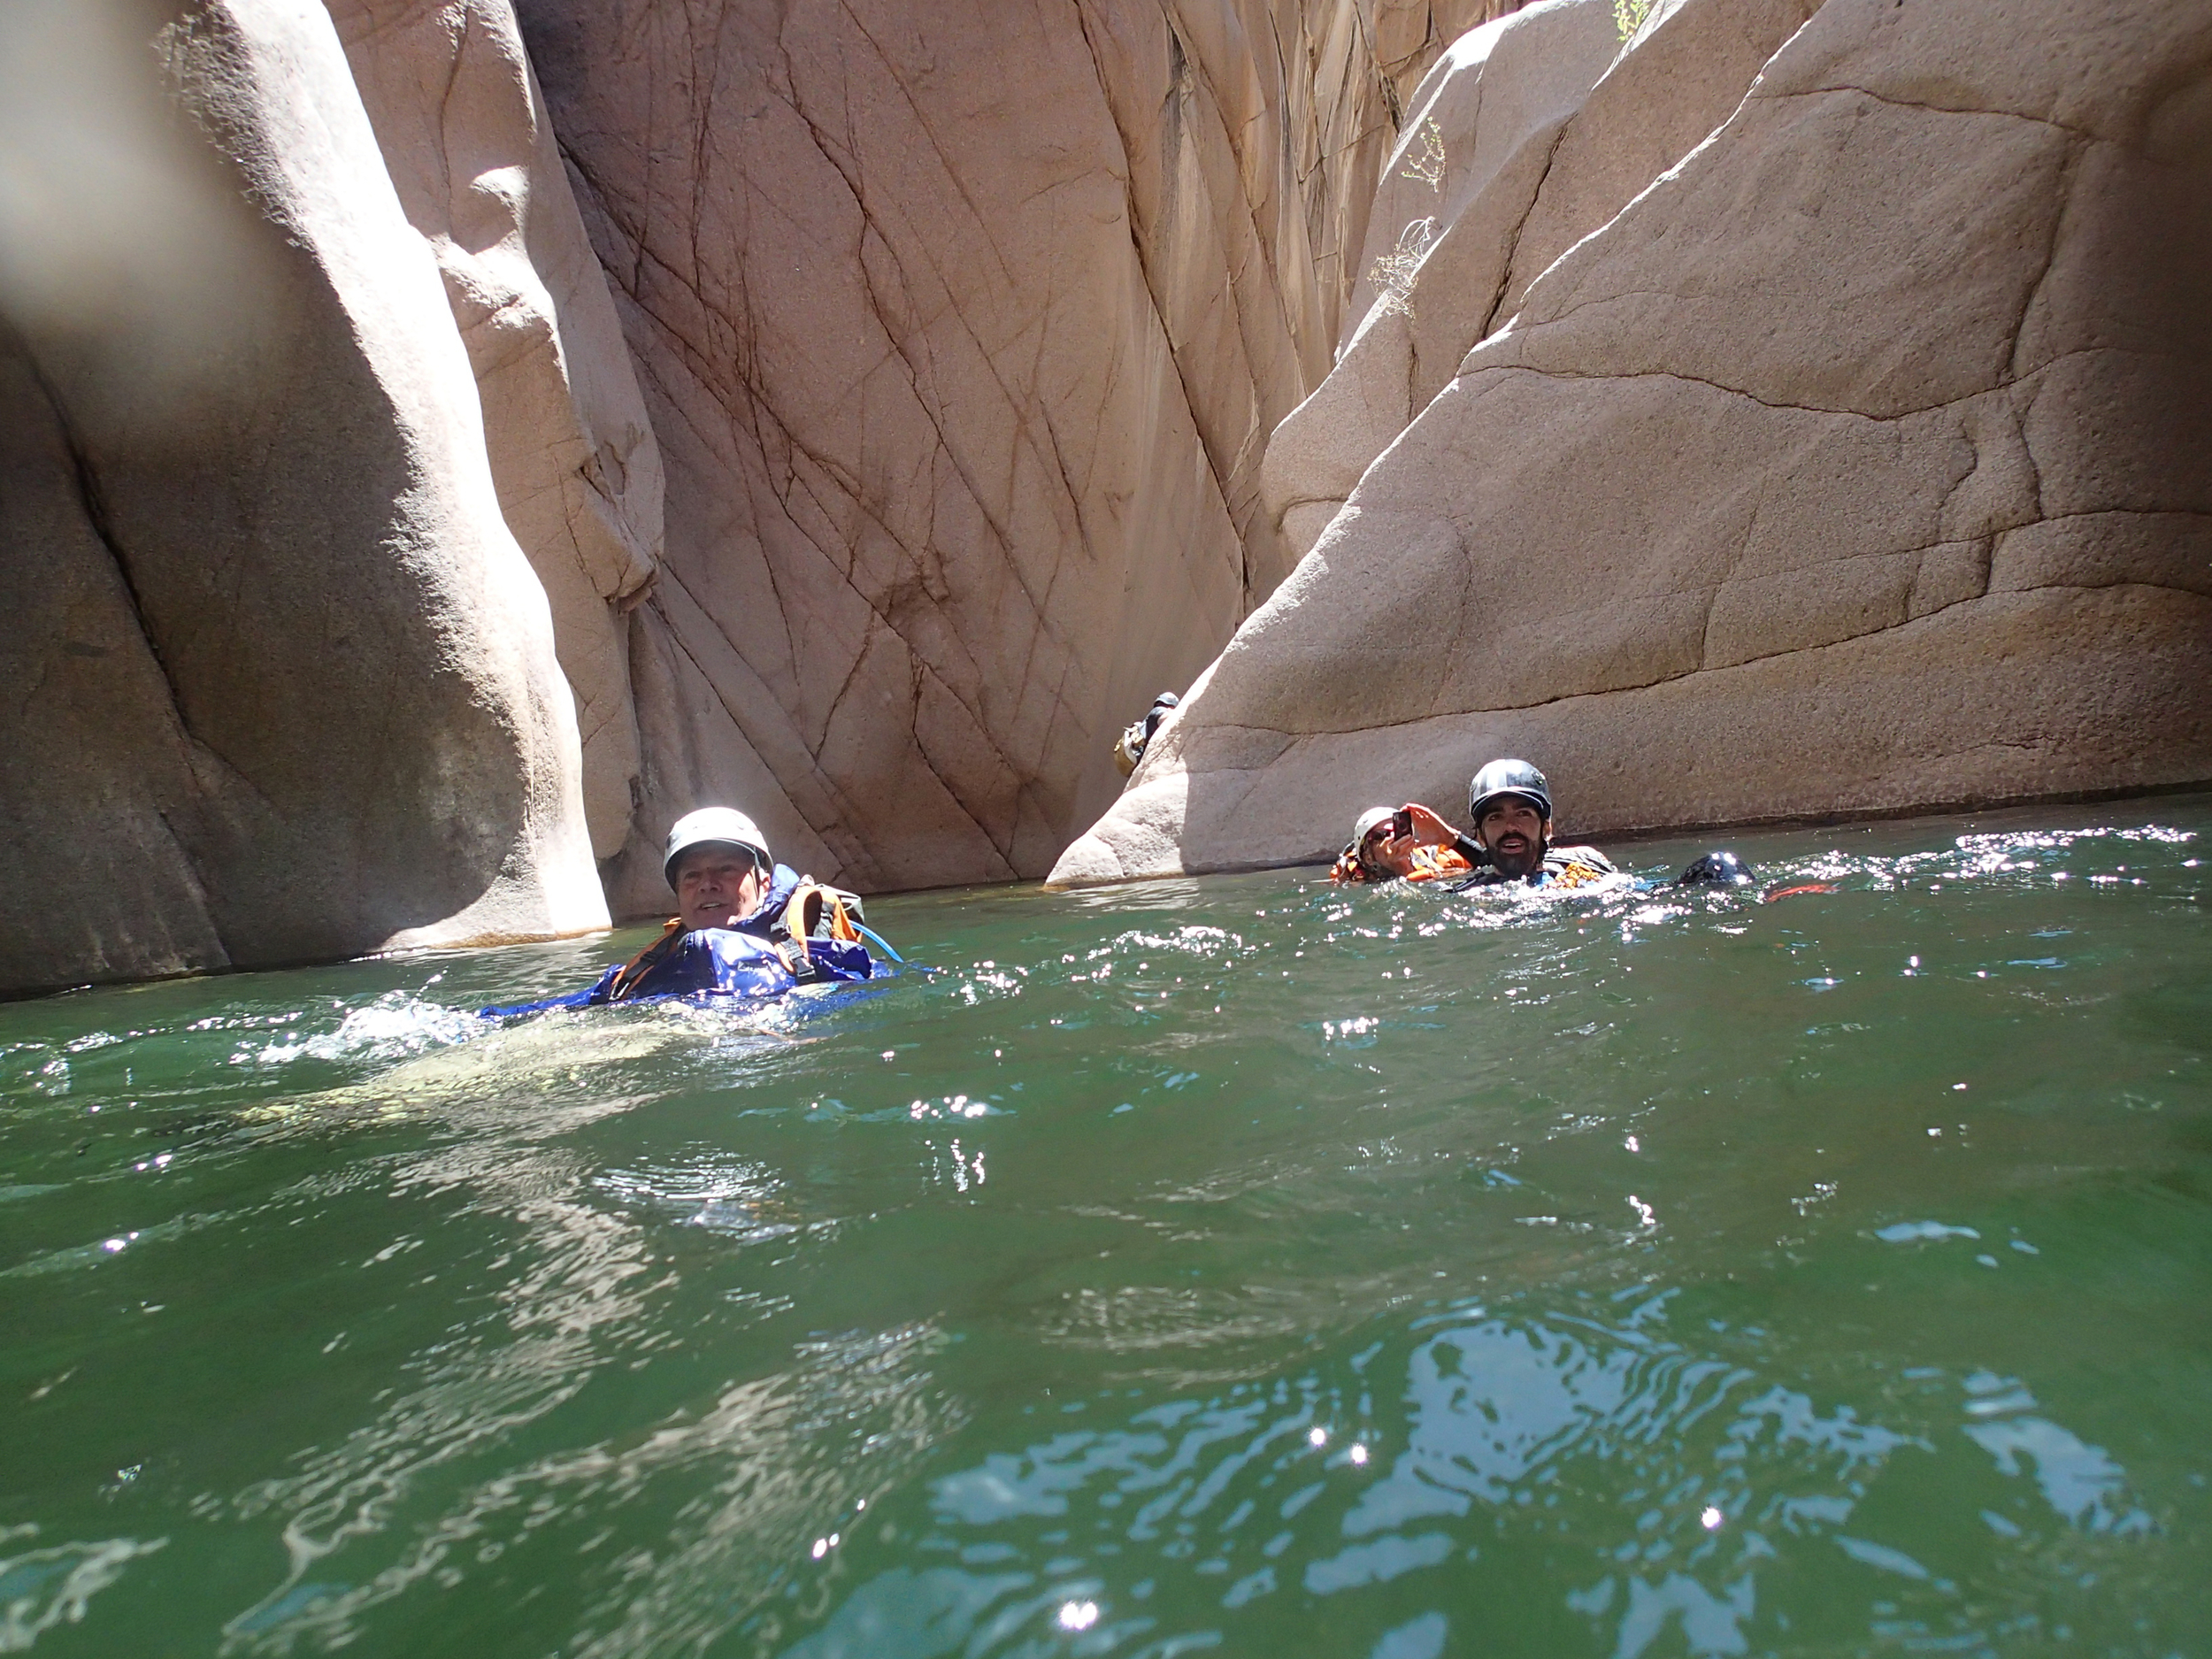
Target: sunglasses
{"type": "Point", "coordinates": [1392, 827]}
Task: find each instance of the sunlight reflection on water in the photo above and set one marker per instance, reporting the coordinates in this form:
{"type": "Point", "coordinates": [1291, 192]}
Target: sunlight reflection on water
{"type": "Point", "coordinates": [1234, 1263]}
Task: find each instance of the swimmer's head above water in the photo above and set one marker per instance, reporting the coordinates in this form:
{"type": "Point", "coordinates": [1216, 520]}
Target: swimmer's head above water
{"type": "Point", "coordinates": [719, 866]}
{"type": "Point", "coordinates": [1510, 804]}
{"type": "Point", "coordinates": [1373, 837]}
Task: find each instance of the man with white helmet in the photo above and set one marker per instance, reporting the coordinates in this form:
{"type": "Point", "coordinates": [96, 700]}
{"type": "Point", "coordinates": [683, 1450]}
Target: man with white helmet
{"type": "Point", "coordinates": [745, 926]}
{"type": "Point", "coordinates": [1382, 848]}
{"type": "Point", "coordinates": [1510, 804]}
{"type": "Point", "coordinates": [718, 865]}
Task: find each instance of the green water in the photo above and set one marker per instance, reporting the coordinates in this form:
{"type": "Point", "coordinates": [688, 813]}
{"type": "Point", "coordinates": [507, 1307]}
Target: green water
{"type": "Point", "coordinates": [1230, 1265]}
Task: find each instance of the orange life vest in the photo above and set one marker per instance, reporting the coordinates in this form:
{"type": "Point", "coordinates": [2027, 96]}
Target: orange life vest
{"type": "Point", "coordinates": [1430, 863]}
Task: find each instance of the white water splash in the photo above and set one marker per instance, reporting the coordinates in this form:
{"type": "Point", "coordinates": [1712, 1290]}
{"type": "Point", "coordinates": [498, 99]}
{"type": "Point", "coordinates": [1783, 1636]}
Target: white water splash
{"type": "Point", "coordinates": [396, 1026]}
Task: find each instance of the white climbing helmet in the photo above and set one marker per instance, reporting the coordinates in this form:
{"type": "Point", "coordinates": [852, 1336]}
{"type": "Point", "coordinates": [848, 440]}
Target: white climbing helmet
{"type": "Point", "coordinates": [719, 825]}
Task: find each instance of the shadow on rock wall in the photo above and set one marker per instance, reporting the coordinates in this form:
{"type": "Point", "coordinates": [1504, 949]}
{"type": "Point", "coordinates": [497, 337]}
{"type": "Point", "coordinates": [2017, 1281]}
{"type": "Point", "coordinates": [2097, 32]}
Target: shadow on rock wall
{"type": "Point", "coordinates": [283, 688]}
{"type": "Point", "coordinates": [466, 141]}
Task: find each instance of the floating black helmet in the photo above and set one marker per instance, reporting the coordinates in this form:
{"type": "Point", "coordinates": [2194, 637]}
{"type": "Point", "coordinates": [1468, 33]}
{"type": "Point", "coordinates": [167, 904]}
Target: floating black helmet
{"type": "Point", "coordinates": [1508, 777]}
{"type": "Point", "coordinates": [1721, 869]}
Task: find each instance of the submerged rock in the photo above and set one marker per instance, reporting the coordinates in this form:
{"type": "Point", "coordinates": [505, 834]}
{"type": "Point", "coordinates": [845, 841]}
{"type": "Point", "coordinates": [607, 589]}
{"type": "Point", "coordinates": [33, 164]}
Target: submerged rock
{"type": "Point", "coordinates": [1860, 462]}
{"type": "Point", "coordinates": [282, 685]}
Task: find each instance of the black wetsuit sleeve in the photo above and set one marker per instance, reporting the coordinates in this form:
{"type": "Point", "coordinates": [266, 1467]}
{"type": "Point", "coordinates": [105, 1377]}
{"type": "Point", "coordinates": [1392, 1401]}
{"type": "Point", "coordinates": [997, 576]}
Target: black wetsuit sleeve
{"type": "Point", "coordinates": [1468, 848]}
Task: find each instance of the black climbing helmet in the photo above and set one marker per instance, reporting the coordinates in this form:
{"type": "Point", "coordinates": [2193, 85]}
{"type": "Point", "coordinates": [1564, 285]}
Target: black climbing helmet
{"type": "Point", "coordinates": [1720, 869]}
{"type": "Point", "coordinates": [1506, 777]}
{"type": "Point", "coordinates": [1161, 706]}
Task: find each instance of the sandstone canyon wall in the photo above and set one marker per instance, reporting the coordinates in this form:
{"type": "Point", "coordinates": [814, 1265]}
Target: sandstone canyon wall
{"type": "Point", "coordinates": [1530, 133]}
{"type": "Point", "coordinates": [1784, 411]}
{"type": "Point", "coordinates": [281, 685]}
{"type": "Point", "coordinates": [1859, 460]}
{"type": "Point", "coordinates": [963, 329]}
{"type": "Point", "coordinates": [466, 140]}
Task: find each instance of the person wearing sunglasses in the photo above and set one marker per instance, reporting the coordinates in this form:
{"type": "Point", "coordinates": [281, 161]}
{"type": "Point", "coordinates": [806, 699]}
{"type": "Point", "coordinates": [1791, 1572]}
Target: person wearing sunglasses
{"type": "Point", "coordinates": [1383, 848]}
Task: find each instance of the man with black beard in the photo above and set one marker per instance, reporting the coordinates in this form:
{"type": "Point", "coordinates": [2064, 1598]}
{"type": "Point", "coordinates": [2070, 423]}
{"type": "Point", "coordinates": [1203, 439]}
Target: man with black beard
{"type": "Point", "coordinates": [1510, 804]}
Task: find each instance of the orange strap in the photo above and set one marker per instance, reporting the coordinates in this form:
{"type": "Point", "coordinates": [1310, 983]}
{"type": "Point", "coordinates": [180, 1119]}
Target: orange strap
{"type": "Point", "coordinates": [625, 983]}
{"type": "Point", "coordinates": [809, 905]}
{"type": "Point", "coordinates": [815, 904]}
{"type": "Point", "coordinates": [1431, 863]}
{"type": "Point", "coordinates": [1811, 887]}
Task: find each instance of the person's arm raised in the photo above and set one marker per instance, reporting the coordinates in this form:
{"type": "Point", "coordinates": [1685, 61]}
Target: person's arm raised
{"type": "Point", "coordinates": [1428, 830]}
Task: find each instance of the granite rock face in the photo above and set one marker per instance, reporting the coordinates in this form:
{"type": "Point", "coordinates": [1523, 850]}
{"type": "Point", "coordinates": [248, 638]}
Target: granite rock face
{"type": "Point", "coordinates": [1860, 461]}
{"type": "Point", "coordinates": [1530, 133]}
{"type": "Point", "coordinates": [963, 330]}
{"type": "Point", "coordinates": [282, 685]}
{"type": "Point", "coordinates": [1514, 80]}
{"type": "Point", "coordinates": [467, 144]}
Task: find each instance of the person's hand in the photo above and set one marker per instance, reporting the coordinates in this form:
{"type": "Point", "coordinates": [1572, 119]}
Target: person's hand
{"type": "Point", "coordinates": [1428, 829]}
